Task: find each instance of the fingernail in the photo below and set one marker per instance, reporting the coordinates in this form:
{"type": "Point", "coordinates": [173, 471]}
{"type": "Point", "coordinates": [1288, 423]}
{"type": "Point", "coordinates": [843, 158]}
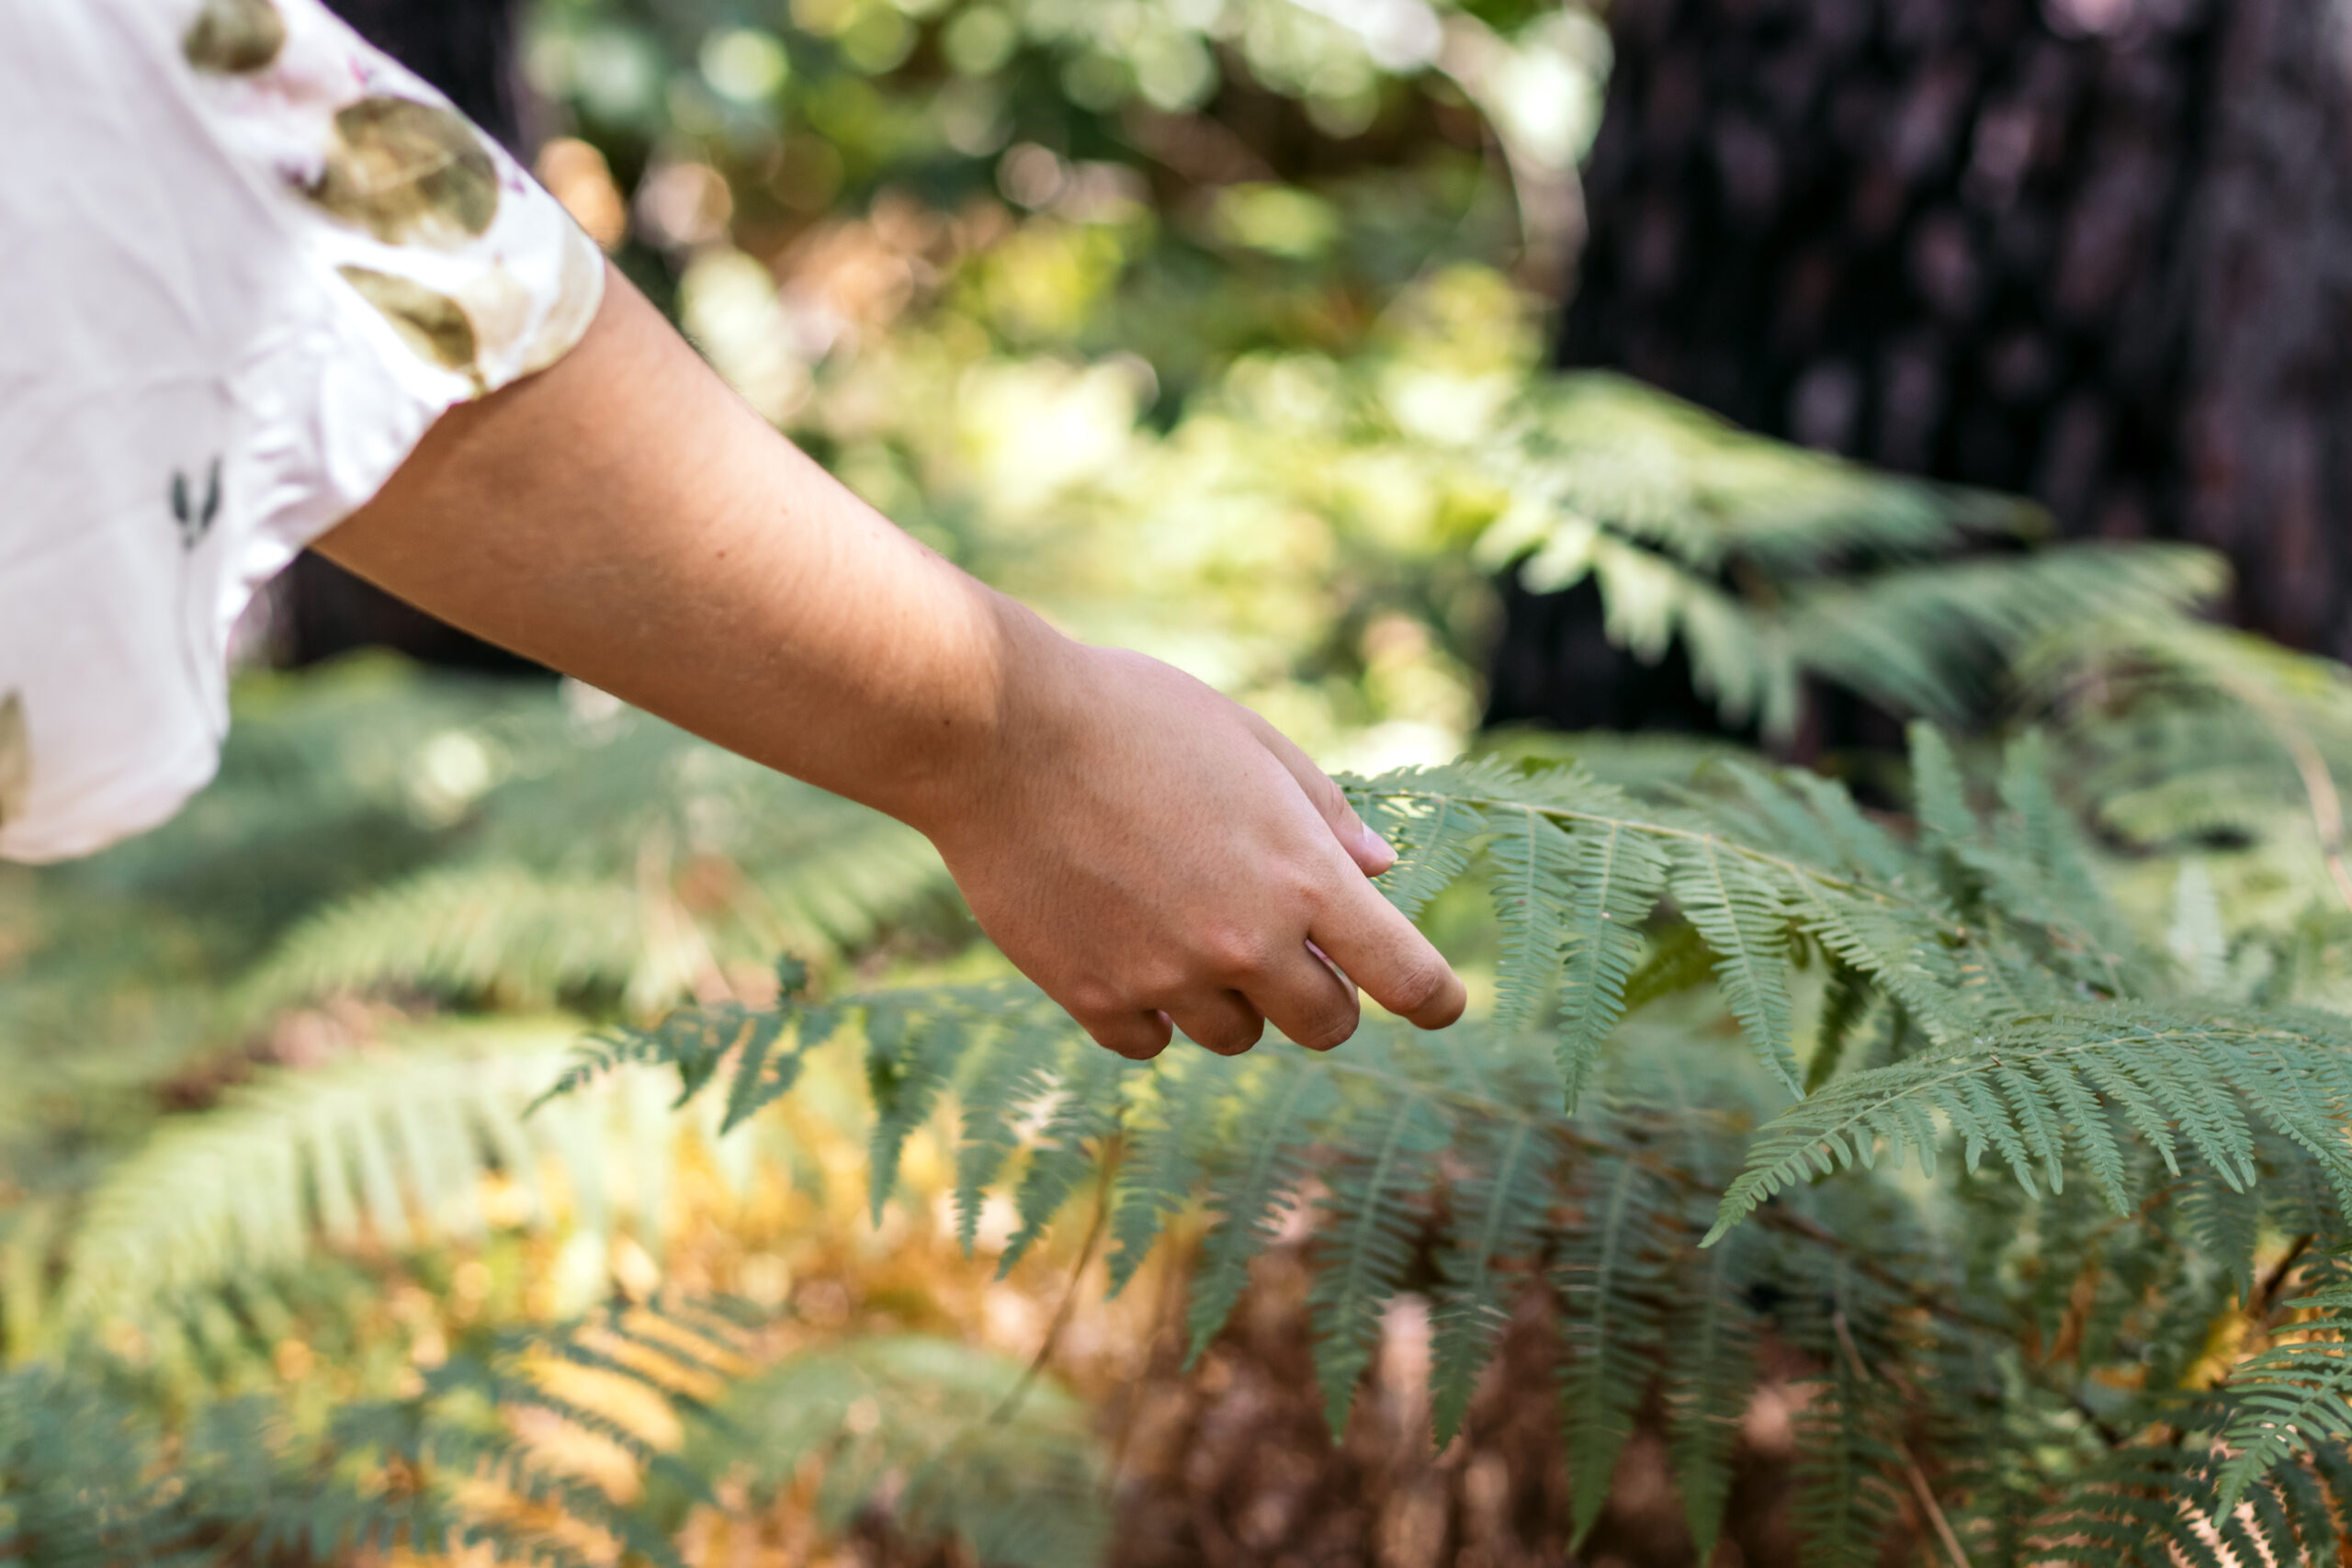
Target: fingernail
{"type": "Point", "coordinates": [1379, 850]}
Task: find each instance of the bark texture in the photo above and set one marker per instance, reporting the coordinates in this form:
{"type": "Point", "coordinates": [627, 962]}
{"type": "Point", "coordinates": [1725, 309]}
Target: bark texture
{"type": "Point", "coordinates": [2097, 251]}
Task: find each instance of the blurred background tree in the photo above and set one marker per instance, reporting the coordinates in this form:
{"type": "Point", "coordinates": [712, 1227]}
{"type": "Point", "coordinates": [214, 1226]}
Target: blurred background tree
{"type": "Point", "coordinates": [2096, 252]}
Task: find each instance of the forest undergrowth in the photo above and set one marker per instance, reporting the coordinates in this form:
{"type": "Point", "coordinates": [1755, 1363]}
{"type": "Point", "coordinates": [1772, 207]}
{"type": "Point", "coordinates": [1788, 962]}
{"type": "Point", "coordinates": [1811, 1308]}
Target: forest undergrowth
{"type": "Point", "coordinates": [1919, 1145]}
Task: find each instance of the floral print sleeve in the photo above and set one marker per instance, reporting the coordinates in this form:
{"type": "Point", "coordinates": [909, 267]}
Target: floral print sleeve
{"type": "Point", "coordinates": [246, 262]}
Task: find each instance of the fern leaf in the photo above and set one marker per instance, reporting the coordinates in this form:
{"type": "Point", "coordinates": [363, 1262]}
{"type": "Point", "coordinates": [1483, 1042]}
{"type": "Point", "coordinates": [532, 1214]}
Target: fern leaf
{"type": "Point", "coordinates": [2225, 1222]}
{"type": "Point", "coordinates": [1087, 1106]}
{"type": "Point", "coordinates": [1007, 1075]}
{"type": "Point", "coordinates": [1283, 1102]}
{"type": "Point", "coordinates": [1901, 952]}
{"type": "Point", "coordinates": [1939, 792]}
{"type": "Point", "coordinates": [1433, 841]}
{"type": "Point", "coordinates": [1846, 1499]}
{"type": "Point", "coordinates": [763, 1075]}
{"type": "Point", "coordinates": [1365, 1240]}
{"type": "Point", "coordinates": [1613, 1318]}
{"type": "Point", "coordinates": [1843, 1000]}
{"type": "Point", "coordinates": [1163, 1164]}
{"type": "Point", "coordinates": [1711, 1367]}
{"type": "Point", "coordinates": [2161, 1508]}
{"type": "Point", "coordinates": [1739, 914]}
{"type": "Point", "coordinates": [911, 1058]}
{"type": "Point", "coordinates": [1677, 961]}
{"type": "Point", "coordinates": [2291, 1397]}
{"type": "Point", "coordinates": [1504, 1202]}
{"type": "Point", "coordinates": [1533, 860]}
{"type": "Point", "coordinates": [1614, 877]}
{"type": "Point", "coordinates": [2033, 1091]}
{"type": "Point", "coordinates": [397, 1143]}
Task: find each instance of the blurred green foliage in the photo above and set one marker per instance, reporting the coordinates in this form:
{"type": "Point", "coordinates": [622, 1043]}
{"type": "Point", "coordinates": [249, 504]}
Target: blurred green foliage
{"type": "Point", "coordinates": [1212, 327]}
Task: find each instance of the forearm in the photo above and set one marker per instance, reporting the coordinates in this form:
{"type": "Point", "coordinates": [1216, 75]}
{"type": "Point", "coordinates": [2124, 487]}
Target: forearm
{"type": "Point", "coordinates": [683, 557]}
{"type": "Point", "coordinates": [1143, 849]}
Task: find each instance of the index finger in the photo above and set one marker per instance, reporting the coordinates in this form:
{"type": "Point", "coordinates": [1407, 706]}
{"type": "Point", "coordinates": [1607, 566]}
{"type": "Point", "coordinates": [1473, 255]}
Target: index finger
{"type": "Point", "coordinates": [1393, 964]}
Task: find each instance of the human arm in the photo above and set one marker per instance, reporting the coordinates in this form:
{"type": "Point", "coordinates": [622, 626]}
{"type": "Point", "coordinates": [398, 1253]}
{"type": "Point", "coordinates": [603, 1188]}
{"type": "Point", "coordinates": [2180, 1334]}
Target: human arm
{"type": "Point", "coordinates": [1142, 848]}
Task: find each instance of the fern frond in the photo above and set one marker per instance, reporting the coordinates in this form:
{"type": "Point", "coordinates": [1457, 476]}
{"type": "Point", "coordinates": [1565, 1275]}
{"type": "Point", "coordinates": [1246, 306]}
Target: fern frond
{"type": "Point", "coordinates": [1533, 859]}
{"type": "Point", "coordinates": [911, 1055]}
{"type": "Point", "coordinates": [392, 1145]}
{"type": "Point", "coordinates": [1677, 961]}
{"type": "Point", "coordinates": [1164, 1160]}
{"type": "Point", "coordinates": [1711, 1357]}
{"type": "Point", "coordinates": [1739, 913]}
{"type": "Point", "coordinates": [1846, 1461]}
{"type": "Point", "coordinates": [1612, 1320]}
{"type": "Point", "coordinates": [1258, 1173]}
{"type": "Point", "coordinates": [568, 887]}
{"type": "Point", "coordinates": [951, 1443]}
{"type": "Point", "coordinates": [2291, 1397]}
{"type": "Point", "coordinates": [1009, 1072]}
{"type": "Point", "coordinates": [1927, 640]}
{"type": "Point", "coordinates": [2159, 1507]}
{"type": "Point", "coordinates": [2034, 1092]}
{"type": "Point", "coordinates": [1500, 1209]}
{"type": "Point", "coordinates": [1614, 877]}
{"type": "Point", "coordinates": [1088, 1106]}
{"type": "Point", "coordinates": [1433, 842]}
{"type": "Point", "coordinates": [1377, 1173]}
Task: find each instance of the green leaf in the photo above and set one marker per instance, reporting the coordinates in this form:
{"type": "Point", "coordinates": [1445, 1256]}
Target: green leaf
{"type": "Point", "coordinates": [1365, 1242]}
{"type": "Point", "coordinates": [1612, 1317]}
{"type": "Point", "coordinates": [1501, 1208]}
{"type": "Point", "coordinates": [1615, 877]}
{"type": "Point", "coordinates": [1739, 911]}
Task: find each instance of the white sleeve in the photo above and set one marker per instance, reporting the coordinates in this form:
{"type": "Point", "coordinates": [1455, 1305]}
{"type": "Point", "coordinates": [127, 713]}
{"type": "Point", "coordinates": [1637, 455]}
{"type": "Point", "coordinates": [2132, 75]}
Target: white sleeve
{"type": "Point", "coordinates": [245, 262]}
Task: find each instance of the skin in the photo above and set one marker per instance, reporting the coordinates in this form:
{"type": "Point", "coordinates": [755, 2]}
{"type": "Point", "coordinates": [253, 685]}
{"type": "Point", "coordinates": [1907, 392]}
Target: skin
{"type": "Point", "coordinates": [1146, 851]}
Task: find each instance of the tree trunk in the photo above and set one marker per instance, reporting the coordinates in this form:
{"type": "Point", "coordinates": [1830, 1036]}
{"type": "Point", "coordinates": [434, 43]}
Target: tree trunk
{"type": "Point", "coordinates": [2097, 251]}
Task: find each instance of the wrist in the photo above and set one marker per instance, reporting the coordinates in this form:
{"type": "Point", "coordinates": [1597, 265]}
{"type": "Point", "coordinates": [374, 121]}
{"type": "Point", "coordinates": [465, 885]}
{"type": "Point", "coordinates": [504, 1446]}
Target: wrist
{"type": "Point", "coordinates": [1019, 691]}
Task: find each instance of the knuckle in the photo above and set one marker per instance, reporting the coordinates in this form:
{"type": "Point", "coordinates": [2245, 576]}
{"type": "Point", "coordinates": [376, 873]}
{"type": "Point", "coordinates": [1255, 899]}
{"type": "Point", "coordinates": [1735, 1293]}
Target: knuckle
{"type": "Point", "coordinates": [1327, 794]}
{"type": "Point", "coordinates": [1092, 999]}
{"type": "Point", "coordinates": [1163, 984]}
{"type": "Point", "coordinates": [1234, 952]}
{"type": "Point", "coordinates": [1303, 889]}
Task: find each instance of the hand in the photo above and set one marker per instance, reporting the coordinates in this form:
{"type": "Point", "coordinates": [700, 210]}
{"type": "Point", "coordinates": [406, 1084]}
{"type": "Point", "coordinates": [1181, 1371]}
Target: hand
{"type": "Point", "coordinates": [1152, 854]}
{"type": "Point", "coordinates": [1143, 849]}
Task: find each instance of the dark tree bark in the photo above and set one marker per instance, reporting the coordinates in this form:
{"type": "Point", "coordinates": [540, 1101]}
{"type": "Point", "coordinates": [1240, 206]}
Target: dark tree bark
{"type": "Point", "coordinates": [2097, 251]}
{"type": "Point", "coordinates": [468, 49]}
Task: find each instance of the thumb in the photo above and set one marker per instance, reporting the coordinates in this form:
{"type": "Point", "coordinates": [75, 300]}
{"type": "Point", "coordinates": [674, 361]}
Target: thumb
{"type": "Point", "coordinates": [1371, 853]}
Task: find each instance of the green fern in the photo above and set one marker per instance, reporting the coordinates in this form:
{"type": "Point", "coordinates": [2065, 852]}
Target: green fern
{"type": "Point", "coordinates": [1661, 505]}
{"type": "Point", "coordinates": [1715, 1367]}
{"type": "Point", "coordinates": [90, 1472]}
{"type": "Point", "coordinates": [1533, 858]}
{"type": "Point", "coordinates": [1614, 1318]}
{"type": "Point", "coordinates": [1973, 1003]}
{"type": "Point", "coordinates": [1500, 1217]}
{"type": "Point", "coordinates": [1264, 1162]}
{"type": "Point", "coordinates": [390, 1147]}
{"type": "Point", "coordinates": [1368, 1221]}
{"type": "Point", "coordinates": [1624, 874]}
{"type": "Point", "coordinates": [2290, 1398]}
{"type": "Point", "coordinates": [2037, 1094]}
{"type": "Point", "coordinates": [951, 1444]}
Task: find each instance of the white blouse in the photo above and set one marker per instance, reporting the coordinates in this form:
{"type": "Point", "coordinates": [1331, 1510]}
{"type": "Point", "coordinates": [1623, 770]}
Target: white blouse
{"type": "Point", "coordinates": [246, 261]}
